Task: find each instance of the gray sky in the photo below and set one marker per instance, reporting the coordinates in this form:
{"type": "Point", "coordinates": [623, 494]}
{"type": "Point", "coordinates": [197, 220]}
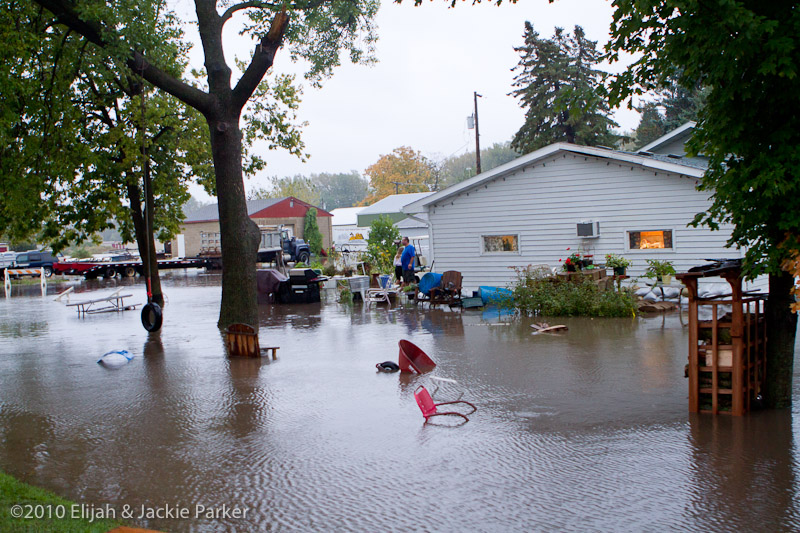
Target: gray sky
{"type": "Point", "coordinates": [431, 59]}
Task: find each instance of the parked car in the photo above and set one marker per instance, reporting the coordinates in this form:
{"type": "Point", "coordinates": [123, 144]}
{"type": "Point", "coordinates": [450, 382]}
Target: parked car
{"type": "Point", "coordinates": [37, 259]}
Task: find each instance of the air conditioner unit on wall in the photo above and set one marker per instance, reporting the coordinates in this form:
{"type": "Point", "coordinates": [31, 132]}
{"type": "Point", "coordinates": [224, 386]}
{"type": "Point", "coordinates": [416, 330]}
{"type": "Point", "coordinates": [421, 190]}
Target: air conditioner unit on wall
{"type": "Point", "coordinates": [589, 229]}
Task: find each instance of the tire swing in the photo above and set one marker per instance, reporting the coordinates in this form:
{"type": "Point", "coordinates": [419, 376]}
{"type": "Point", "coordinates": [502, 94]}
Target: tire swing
{"type": "Point", "coordinates": [152, 317]}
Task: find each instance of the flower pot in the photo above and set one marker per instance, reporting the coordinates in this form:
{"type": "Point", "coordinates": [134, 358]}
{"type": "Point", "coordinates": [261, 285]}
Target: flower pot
{"type": "Point", "coordinates": [571, 268]}
{"type": "Point", "coordinates": [620, 271]}
{"type": "Point", "coordinates": [666, 279]}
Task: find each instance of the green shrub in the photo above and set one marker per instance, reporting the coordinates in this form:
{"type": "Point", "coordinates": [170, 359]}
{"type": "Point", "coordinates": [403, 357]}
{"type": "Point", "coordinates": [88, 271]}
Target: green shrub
{"type": "Point", "coordinates": [381, 247]}
{"type": "Point", "coordinates": [549, 297]}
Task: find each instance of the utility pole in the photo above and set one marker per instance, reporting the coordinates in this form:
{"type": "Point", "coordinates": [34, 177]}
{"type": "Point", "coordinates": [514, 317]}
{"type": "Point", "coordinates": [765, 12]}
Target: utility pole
{"type": "Point", "coordinates": [477, 135]}
{"type": "Point", "coordinates": [396, 186]}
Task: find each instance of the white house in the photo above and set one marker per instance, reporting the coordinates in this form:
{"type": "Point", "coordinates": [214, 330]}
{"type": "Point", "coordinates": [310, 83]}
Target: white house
{"type": "Point", "coordinates": [564, 198]}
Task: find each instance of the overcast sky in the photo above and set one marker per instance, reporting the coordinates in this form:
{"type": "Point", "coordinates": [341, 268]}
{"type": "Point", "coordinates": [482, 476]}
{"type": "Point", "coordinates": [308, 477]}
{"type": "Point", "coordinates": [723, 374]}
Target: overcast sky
{"type": "Point", "coordinates": [420, 93]}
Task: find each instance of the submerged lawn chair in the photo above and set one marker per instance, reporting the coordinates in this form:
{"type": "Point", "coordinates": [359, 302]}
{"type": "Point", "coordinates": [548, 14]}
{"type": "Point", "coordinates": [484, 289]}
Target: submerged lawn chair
{"type": "Point", "coordinates": [429, 407]}
{"type": "Point", "coordinates": [413, 359]}
{"type": "Point", "coordinates": [449, 290]}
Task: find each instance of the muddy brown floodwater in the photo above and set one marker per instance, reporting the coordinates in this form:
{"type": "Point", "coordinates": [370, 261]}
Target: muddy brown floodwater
{"type": "Point", "coordinates": [586, 431]}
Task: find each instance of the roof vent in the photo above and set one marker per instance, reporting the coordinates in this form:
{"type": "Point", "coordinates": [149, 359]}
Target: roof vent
{"type": "Point", "coordinates": [675, 156]}
{"type": "Point", "coordinates": [645, 153]}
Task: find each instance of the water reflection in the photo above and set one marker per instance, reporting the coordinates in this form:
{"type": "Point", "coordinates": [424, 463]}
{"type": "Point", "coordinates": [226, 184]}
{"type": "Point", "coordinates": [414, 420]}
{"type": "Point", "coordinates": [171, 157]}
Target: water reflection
{"type": "Point", "coordinates": [743, 466]}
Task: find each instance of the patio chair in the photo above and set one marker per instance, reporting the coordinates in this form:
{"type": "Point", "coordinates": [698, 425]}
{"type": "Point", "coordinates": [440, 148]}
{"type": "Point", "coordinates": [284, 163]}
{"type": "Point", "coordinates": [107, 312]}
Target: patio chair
{"type": "Point", "coordinates": [449, 290]}
{"type": "Point", "coordinates": [381, 294]}
{"type": "Point", "coordinates": [430, 409]}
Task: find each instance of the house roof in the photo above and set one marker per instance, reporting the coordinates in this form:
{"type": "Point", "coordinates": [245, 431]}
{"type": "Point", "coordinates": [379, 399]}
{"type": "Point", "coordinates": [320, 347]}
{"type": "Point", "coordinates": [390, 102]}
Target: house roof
{"type": "Point", "coordinates": [675, 165]}
{"type": "Point", "coordinates": [409, 223]}
{"type": "Point", "coordinates": [681, 131]}
{"type": "Point", "coordinates": [393, 203]}
{"type": "Point", "coordinates": [210, 213]}
{"type": "Point", "coordinates": [346, 216]}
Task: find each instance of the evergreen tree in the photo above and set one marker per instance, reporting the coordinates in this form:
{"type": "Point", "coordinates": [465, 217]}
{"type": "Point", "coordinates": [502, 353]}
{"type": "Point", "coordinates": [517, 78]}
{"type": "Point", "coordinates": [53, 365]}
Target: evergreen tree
{"type": "Point", "coordinates": [311, 231]}
{"type": "Point", "coordinates": [557, 83]}
{"type": "Point", "coordinates": [674, 106]}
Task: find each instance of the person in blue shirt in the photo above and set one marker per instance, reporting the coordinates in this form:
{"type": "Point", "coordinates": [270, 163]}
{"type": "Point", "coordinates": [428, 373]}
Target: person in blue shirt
{"type": "Point", "coordinates": [407, 261]}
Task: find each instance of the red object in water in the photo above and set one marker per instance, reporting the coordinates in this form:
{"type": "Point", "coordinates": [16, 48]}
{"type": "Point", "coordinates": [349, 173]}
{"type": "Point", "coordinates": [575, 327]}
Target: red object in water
{"type": "Point", "coordinates": [429, 408]}
{"type": "Point", "coordinates": [413, 359]}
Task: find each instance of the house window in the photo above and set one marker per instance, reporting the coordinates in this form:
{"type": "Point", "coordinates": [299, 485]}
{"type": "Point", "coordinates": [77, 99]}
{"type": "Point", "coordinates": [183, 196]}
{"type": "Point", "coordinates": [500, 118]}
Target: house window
{"type": "Point", "coordinates": [648, 240]}
{"type": "Point", "coordinates": [499, 243]}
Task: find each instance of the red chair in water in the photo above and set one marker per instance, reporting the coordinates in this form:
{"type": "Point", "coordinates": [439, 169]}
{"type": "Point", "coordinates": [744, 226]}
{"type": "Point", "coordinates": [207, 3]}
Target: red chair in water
{"type": "Point", "coordinates": [429, 407]}
{"type": "Point", "coordinates": [413, 359]}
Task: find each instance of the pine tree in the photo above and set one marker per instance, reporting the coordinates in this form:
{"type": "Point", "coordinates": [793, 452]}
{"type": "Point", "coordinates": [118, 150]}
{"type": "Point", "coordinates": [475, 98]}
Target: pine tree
{"type": "Point", "coordinates": [557, 83]}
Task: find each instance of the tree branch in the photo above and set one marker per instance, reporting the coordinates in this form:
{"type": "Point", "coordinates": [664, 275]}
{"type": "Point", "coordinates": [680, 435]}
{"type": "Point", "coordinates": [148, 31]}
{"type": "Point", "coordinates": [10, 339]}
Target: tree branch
{"type": "Point", "coordinates": [244, 5]}
{"type": "Point", "coordinates": [184, 92]}
{"type": "Point", "coordinates": [261, 62]}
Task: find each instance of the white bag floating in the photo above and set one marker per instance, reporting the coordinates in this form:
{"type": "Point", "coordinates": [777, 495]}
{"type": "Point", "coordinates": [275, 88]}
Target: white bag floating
{"type": "Point", "coordinates": [115, 359]}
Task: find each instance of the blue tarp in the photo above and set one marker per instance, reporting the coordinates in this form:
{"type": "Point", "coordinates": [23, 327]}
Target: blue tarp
{"type": "Point", "coordinates": [429, 281]}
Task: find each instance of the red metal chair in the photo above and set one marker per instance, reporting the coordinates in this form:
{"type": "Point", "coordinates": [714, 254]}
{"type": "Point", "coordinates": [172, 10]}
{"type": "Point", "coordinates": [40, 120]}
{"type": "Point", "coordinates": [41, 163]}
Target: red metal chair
{"type": "Point", "coordinates": [429, 407]}
{"type": "Point", "coordinates": [413, 359]}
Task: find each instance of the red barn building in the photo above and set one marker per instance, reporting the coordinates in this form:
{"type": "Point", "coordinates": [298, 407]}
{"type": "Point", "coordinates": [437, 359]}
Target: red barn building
{"type": "Point", "coordinates": [200, 230]}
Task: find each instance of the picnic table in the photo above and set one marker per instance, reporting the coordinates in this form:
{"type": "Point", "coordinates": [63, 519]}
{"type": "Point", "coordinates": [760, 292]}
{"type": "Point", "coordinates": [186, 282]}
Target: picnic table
{"type": "Point", "coordinates": [116, 302]}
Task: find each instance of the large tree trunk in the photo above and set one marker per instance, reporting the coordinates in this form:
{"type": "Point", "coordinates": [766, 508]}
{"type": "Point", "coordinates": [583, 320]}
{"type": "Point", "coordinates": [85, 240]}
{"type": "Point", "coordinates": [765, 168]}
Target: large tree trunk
{"type": "Point", "coordinates": [781, 331]}
{"type": "Point", "coordinates": [239, 235]}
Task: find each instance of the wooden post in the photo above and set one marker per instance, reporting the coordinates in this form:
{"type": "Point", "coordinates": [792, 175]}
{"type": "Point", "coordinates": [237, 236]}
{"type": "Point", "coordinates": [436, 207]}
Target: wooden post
{"type": "Point", "coordinates": [694, 397]}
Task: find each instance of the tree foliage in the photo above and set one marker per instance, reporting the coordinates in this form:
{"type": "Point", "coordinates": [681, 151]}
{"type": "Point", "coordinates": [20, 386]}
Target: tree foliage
{"type": "Point", "coordinates": [458, 168]}
{"type": "Point", "coordinates": [557, 85]}
{"type": "Point", "coordinates": [403, 171]}
{"type": "Point", "coordinates": [311, 30]}
{"type": "Point", "coordinates": [747, 55]}
{"type": "Point", "coordinates": [382, 244]}
{"type": "Point", "coordinates": [76, 135]}
{"type": "Point", "coordinates": [311, 232]}
{"type": "Point", "coordinates": [325, 190]}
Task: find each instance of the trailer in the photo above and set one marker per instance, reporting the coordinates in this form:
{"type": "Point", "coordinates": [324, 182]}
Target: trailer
{"type": "Point", "coordinates": [128, 268]}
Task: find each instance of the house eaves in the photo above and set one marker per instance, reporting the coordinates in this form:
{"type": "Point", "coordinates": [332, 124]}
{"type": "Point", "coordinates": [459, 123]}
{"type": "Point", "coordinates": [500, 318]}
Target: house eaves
{"type": "Point", "coordinates": [645, 161]}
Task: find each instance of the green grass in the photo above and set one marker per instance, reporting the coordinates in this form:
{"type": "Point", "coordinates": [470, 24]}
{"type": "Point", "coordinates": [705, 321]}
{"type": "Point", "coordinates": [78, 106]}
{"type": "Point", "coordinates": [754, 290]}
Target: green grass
{"type": "Point", "coordinates": [33, 500]}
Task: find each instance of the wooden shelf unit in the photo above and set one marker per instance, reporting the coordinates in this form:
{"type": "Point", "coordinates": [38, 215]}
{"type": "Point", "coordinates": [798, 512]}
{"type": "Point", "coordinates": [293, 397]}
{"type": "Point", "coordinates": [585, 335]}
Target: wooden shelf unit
{"type": "Point", "coordinates": [727, 354]}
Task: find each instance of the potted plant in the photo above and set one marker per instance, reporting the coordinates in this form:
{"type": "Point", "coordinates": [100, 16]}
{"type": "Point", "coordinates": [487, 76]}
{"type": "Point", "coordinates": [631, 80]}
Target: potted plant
{"type": "Point", "coordinates": [662, 270]}
{"type": "Point", "coordinates": [618, 263]}
{"type": "Point", "coordinates": [574, 262]}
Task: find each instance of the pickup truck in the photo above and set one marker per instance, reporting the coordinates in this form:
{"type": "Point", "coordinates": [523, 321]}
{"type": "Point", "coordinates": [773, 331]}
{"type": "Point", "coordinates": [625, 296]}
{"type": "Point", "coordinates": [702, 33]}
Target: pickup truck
{"type": "Point", "coordinates": [36, 259]}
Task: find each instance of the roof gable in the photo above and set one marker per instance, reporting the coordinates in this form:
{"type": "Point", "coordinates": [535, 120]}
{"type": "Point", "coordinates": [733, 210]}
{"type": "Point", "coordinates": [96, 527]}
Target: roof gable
{"type": "Point", "coordinates": [677, 166]}
{"type": "Point", "coordinates": [679, 133]}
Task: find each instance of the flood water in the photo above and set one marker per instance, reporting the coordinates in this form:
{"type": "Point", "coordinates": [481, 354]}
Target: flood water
{"type": "Point", "coordinates": [586, 431]}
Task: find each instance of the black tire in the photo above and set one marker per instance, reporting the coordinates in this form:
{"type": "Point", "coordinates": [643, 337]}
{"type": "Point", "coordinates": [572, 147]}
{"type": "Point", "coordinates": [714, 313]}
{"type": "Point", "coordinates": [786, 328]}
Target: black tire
{"type": "Point", "coordinates": [48, 271]}
{"type": "Point", "coordinates": [109, 273]}
{"type": "Point", "coordinates": [130, 272]}
{"type": "Point", "coordinates": [152, 317]}
{"type": "Point", "coordinates": [304, 257]}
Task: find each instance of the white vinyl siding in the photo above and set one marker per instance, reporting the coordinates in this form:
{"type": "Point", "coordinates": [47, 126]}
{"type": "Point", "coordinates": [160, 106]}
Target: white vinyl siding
{"type": "Point", "coordinates": [543, 202]}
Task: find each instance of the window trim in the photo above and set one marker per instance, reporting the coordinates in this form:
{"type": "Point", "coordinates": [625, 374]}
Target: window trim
{"type": "Point", "coordinates": [518, 251]}
{"type": "Point", "coordinates": [650, 250]}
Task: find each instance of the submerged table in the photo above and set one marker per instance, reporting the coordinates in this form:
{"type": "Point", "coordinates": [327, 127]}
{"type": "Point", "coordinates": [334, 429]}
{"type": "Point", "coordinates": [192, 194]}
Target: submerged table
{"type": "Point", "coordinates": [115, 303]}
